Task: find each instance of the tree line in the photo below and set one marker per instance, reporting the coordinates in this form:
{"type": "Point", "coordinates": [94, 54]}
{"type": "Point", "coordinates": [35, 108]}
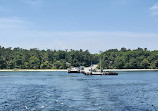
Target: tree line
{"type": "Point", "coordinates": [130, 59]}
{"type": "Point", "coordinates": [18, 58]}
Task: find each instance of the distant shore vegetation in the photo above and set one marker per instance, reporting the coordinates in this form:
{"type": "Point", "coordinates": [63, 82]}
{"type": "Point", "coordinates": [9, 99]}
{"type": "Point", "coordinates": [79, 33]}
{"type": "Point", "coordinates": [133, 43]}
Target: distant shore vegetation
{"type": "Point", "coordinates": [18, 58]}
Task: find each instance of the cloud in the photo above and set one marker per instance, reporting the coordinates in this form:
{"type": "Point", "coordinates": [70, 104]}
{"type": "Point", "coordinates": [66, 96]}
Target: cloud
{"type": "Point", "coordinates": [33, 2]}
{"type": "Point", "coordinates": [12, 23]}
{"type": "Point", "coordinates": [100, 34]}
{"type": "Point", "coordinates": [18, 32]}
{"type": "Point", "coordinates": [154, 9]}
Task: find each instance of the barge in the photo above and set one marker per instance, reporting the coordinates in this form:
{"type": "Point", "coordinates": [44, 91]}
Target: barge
{"type": "Point", "coordinates": [100, 73]}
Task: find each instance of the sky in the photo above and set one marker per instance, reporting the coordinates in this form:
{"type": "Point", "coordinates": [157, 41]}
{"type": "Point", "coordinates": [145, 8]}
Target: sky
{"type": "Point", "coordinates": [96, 25]}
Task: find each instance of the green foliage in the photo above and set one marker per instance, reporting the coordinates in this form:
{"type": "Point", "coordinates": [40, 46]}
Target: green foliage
{"type": "Point", "coordinates": [54, 67]}
{"type": "Point", "coordinates": [129, 59]}
{"type": "Point", "coordinates": [45, 65]}
{"type": "Point", "coordinates": [145, 64]}
{"type": "Point", "coordinates": [19, 58]}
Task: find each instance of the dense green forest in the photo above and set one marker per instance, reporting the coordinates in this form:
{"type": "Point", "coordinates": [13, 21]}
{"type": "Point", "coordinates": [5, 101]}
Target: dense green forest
{"type": "Point", "coordinates": [130, 59]}
{"type": "Point", "coordinates": [18, 58]}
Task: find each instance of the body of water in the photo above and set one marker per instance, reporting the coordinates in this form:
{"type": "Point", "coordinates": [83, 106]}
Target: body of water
{"type": "Point", "coordinates": [60, 91]}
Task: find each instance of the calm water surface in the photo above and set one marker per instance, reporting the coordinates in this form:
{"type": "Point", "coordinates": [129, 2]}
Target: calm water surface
{"type": "Point", "coordinates": [60, 91]}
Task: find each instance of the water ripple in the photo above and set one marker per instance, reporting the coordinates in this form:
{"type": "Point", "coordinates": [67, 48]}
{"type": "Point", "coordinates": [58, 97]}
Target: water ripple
{"type": "Point", "coordinates": [46, 91]}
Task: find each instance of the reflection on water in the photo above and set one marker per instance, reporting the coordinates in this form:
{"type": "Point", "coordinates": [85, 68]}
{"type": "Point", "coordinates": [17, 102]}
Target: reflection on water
{"type": "Point", "coordinates": [59, 91]}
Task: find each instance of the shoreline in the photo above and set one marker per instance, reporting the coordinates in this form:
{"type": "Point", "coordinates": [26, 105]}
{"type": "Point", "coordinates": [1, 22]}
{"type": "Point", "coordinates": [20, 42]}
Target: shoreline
{"type": "Point", "coordinates": [130, 70]}
{"type": "Point", "coordinates": [31, 70]}
{"type": "Point", "coordinates": [56, 70]}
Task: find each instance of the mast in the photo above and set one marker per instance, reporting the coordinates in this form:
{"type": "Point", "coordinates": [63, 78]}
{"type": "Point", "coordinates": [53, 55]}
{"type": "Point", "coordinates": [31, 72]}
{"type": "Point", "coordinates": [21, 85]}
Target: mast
{"type": "Point", "coordinates": [100, 65]}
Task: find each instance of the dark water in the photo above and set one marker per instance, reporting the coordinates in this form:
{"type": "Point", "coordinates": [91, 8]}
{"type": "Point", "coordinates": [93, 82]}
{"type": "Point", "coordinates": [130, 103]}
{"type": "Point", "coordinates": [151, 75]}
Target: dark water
{"type": "Point", "coordinates": [59, 91]}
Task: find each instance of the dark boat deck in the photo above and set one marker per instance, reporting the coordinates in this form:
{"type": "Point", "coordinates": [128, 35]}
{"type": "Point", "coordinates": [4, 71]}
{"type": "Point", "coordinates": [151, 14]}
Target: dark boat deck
{"type": "Point", "coordinates": [69, 71]}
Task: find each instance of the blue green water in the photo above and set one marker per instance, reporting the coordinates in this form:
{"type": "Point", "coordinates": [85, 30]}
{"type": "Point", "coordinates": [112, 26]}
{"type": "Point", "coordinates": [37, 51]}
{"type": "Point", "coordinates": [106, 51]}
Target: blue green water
{"type": "Point", "coordinates": [60, 91]}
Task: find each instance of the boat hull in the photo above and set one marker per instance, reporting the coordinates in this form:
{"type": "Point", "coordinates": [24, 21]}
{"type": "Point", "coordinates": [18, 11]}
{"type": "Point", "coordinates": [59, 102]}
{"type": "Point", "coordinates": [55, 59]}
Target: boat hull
{"type": "Point", "coordinates": [101, 73]}
{"type": "Point", "coordinates": [73, 71]}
